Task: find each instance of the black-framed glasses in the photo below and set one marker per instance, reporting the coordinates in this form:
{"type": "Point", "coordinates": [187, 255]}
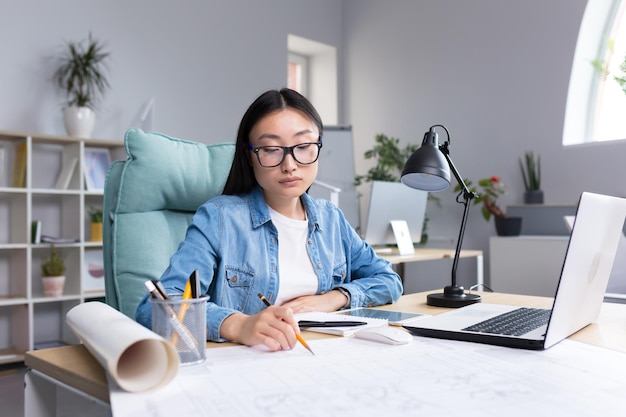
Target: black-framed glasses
{"type": "Point", "coordinates": [271, 156]}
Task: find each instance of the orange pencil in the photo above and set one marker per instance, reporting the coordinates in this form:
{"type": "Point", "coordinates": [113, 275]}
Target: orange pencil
{"type": "Point", "coordinates": [298, 336]}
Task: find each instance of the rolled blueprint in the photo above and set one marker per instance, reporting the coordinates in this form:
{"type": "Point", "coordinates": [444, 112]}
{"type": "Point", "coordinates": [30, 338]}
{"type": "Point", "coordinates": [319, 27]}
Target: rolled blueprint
{"type": "Point", "coordinates": [136, 358]}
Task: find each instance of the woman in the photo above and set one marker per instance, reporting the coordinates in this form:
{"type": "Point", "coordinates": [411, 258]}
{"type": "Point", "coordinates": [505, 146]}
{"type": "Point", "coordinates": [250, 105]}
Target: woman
{"type": "Point", "coordinates": [266, 235]}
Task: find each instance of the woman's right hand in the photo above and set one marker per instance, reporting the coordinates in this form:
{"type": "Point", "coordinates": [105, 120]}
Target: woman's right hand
{"type": "Point", "coordinates": [274, 327]}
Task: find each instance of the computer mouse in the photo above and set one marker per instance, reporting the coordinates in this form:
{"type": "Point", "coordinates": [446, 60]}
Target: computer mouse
{"type": "Point", "coordinates": [385, 334]}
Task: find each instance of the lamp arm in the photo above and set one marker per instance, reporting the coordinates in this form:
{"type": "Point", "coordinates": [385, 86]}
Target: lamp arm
{"type": "Point", "coordinates": [446, 153]}
{"type": "Point", "coordinates": [467, 197]}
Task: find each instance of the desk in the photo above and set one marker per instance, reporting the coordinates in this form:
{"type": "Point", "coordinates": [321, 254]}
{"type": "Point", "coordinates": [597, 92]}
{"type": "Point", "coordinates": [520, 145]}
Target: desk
{"type": "Point", "coordinates": [432, 254]}
{"type": "Point", "coordinates": [73, 366]}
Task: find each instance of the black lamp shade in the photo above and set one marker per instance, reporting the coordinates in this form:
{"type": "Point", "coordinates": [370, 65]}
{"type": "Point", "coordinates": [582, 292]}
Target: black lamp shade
{"type": "Point", "coordinates": [427, 168]}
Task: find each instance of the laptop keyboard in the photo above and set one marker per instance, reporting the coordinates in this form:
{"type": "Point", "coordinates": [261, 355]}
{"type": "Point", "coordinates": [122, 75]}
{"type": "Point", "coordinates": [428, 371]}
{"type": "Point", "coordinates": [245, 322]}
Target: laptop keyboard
{"type": "Point", "coordinates": [514, 323]}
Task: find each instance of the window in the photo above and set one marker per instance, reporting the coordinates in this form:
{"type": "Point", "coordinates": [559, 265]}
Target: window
{"type": "Point", "coordinates": [610, 102]}
{"type": "Point", "coordinates": [312, 70]}
{"type": "Point", "coordinates": [298, 73]}
{"type": "Point", "coordinates": [596, 101]}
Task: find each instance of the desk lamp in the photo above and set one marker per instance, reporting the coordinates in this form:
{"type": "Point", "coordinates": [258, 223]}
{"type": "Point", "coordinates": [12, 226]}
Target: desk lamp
{"type": "Point", "coordinates": [428, 169]}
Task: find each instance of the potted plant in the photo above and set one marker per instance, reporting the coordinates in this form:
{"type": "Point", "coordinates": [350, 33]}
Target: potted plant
{"type": "Point", "coordinates": [491, 189]}
{"type": "Point", "coordinates": [530, 165]}
{"type": "Point", "coordinates": [52, 274]}
{"type": "Point", "coordinates": [81, 75]}
{"type": "Point", "coordinates": [390, 160]}
{"type": "Point", "coordinates": [95, 218]}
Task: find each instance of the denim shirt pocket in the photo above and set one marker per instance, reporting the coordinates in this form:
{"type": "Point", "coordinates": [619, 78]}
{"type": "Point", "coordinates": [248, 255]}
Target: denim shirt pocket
{"type": "Point", "coordinates": [240, 282]}
{"type": "Point", "coordinates": [238, 277]}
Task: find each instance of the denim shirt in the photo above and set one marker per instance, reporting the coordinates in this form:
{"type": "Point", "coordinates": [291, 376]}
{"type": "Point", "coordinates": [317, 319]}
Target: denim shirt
{"type": "Point", "coordinates": [233, 244]}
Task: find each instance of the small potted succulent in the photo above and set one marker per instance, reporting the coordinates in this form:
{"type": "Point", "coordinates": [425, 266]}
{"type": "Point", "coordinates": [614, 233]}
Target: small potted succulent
{"type": "Point", "coordinates": [530, 166]}
{"type": "Point", "coordinates": [95, 218]}
{"type": "Point", "coordinates": [52, 274]}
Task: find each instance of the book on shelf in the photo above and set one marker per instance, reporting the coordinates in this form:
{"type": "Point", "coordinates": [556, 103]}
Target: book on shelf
{"type": "Point", "coordinates": [4, 174]}
{"type": "Point", "coordinates": [63, 181]}
{"type": "Point", "coordinates": [19, 166]}
{"type": "Point", "coordinates": [54, 239]}
{"type": "Point", "coordinates": [35, 229]}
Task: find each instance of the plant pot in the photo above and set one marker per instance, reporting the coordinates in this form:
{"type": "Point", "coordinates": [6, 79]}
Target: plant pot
{"type": "Point", "coordinates": [96, 232]}
{"type": "Point", "coordinates": [533, 197]}
{"type": "Point", "coordinates": [79, 121]}
{"type": "Point", "coordinates": [53, 286]}
{"type": "Point", "coordinates": [508, 226]}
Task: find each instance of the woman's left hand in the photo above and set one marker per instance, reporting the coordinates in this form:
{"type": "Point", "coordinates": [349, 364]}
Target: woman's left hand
{"type": "Point", "coordinates": [331, 301]}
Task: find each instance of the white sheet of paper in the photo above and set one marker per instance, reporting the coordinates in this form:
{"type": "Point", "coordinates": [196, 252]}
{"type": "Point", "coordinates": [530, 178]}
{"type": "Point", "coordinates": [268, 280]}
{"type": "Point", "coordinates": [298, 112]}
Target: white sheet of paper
{"type": "Point", "coordinates": [355, 377]}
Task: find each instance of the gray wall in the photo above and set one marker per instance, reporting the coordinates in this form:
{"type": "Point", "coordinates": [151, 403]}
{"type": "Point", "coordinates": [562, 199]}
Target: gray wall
{"type": "Point", "coordinates": [495, 72]}
{"type": "Point", "coordinates": [203, 61]}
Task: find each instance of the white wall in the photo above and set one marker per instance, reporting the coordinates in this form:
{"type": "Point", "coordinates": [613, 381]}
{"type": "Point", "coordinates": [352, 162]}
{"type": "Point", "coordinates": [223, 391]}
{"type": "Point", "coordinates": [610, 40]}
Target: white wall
{"type": "Point", "coordinates": [203, 61]}
{"type": "Point", "coordinates": [495, 73]}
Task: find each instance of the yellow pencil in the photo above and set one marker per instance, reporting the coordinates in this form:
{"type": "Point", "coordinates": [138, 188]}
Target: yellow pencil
{"type": "Point", "coordinates": [183, 309]}
{"type": "Point", "coordinates": [298, 336]}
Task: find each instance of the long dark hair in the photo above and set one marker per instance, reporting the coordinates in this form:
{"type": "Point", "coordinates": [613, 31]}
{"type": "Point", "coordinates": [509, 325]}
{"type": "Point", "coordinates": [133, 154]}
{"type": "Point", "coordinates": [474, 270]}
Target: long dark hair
{"type": "Point", "coordinates": [241, 179]}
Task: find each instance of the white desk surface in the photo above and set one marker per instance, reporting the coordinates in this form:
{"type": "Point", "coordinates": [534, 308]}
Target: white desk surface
{"type": "Point", "coordinates": [74, 366]}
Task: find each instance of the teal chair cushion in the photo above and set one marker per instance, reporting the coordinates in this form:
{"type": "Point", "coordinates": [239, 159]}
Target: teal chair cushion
{"type": "Point", "coordinates": [149, 201]}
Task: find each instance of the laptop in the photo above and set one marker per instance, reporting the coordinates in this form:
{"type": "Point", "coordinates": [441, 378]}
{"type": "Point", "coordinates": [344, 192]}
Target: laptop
{"type": "Point", "coordinates": [616, 288]}
{"type": "Point", "coordinates": [591, 250]}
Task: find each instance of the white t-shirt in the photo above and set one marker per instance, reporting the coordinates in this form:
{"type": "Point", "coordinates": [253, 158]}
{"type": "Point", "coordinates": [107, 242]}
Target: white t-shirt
{"type": "Point", "coordinates": [297, 276]}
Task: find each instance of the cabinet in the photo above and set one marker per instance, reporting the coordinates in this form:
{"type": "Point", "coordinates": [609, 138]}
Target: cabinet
{"type": "Point", "coordinates": [529, 265]}
{"type": "Point", "coordinates": [28, 319]}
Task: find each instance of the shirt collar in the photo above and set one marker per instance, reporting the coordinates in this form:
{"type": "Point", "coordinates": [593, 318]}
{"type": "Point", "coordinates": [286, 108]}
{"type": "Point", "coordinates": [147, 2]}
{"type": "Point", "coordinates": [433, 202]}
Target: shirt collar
{"type": "Point", "coordinates": [260, 213]}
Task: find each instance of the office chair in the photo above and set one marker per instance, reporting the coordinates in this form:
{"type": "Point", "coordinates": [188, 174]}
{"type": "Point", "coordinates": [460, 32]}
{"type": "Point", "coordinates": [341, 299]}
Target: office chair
{"type": "Point", "coordinates": [149, 200]}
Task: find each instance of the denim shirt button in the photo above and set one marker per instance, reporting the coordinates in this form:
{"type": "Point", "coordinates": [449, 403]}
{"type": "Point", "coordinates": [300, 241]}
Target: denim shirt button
{"type": "Point", "coordinates": [319, 266]}
{"type": "Point", "coordinates": [310, 241]}
{"type": "Point", "coordinates": [234, 278]}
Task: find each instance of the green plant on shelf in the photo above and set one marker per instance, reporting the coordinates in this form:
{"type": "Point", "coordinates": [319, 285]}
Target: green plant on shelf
{"type": "Point", "coordinates": [54, 265]}
{"type": "Point", "coordinates": [530, 166]}
{"type": "Point", "coordinates": [491, 189]}
{"type": "Point", "coordinates": [95, 214]}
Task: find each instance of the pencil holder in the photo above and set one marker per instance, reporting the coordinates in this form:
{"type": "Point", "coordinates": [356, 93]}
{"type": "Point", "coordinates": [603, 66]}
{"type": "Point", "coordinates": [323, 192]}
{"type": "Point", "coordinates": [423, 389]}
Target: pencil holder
{"type": "Point", "coordinates": [183, 322]}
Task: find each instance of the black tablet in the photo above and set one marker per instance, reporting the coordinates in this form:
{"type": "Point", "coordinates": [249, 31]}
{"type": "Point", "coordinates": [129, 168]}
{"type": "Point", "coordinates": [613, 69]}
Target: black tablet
{"type": "Point", "coordinates": [396, 318]}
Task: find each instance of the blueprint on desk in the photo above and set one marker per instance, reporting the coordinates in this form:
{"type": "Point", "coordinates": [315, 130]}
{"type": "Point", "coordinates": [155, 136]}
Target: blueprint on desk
{"type": "Point", "coordinates": [427, 377]}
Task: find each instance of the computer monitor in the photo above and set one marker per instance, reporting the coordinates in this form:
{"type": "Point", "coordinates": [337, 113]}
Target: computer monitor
{"type": "Point", "coordinates": [394, 201]}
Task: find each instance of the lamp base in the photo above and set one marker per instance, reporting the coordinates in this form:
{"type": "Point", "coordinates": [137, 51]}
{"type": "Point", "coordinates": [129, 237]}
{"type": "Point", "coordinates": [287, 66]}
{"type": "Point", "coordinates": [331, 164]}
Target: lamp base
{"type": "Point", "coordinates": [452, 297]}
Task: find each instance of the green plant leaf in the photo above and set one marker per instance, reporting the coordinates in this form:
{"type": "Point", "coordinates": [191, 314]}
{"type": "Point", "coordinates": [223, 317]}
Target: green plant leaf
{"type": "Point", "coordinates": [390, 160]}
{"type": "Point", "coordinates": [54, 265]}
{"type": "Point", "coordinates": [81, 73]}
{"type": "Point", "coordinates": [530, 167]}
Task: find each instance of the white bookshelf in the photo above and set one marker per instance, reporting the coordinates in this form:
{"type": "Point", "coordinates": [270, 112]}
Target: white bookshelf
{"type": "Point", "coordinates": [28, 319]}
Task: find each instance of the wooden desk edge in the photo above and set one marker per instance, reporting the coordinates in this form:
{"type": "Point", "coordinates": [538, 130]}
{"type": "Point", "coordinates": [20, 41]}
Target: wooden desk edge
{"type": "Point", "coordinates": [86, 374]}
